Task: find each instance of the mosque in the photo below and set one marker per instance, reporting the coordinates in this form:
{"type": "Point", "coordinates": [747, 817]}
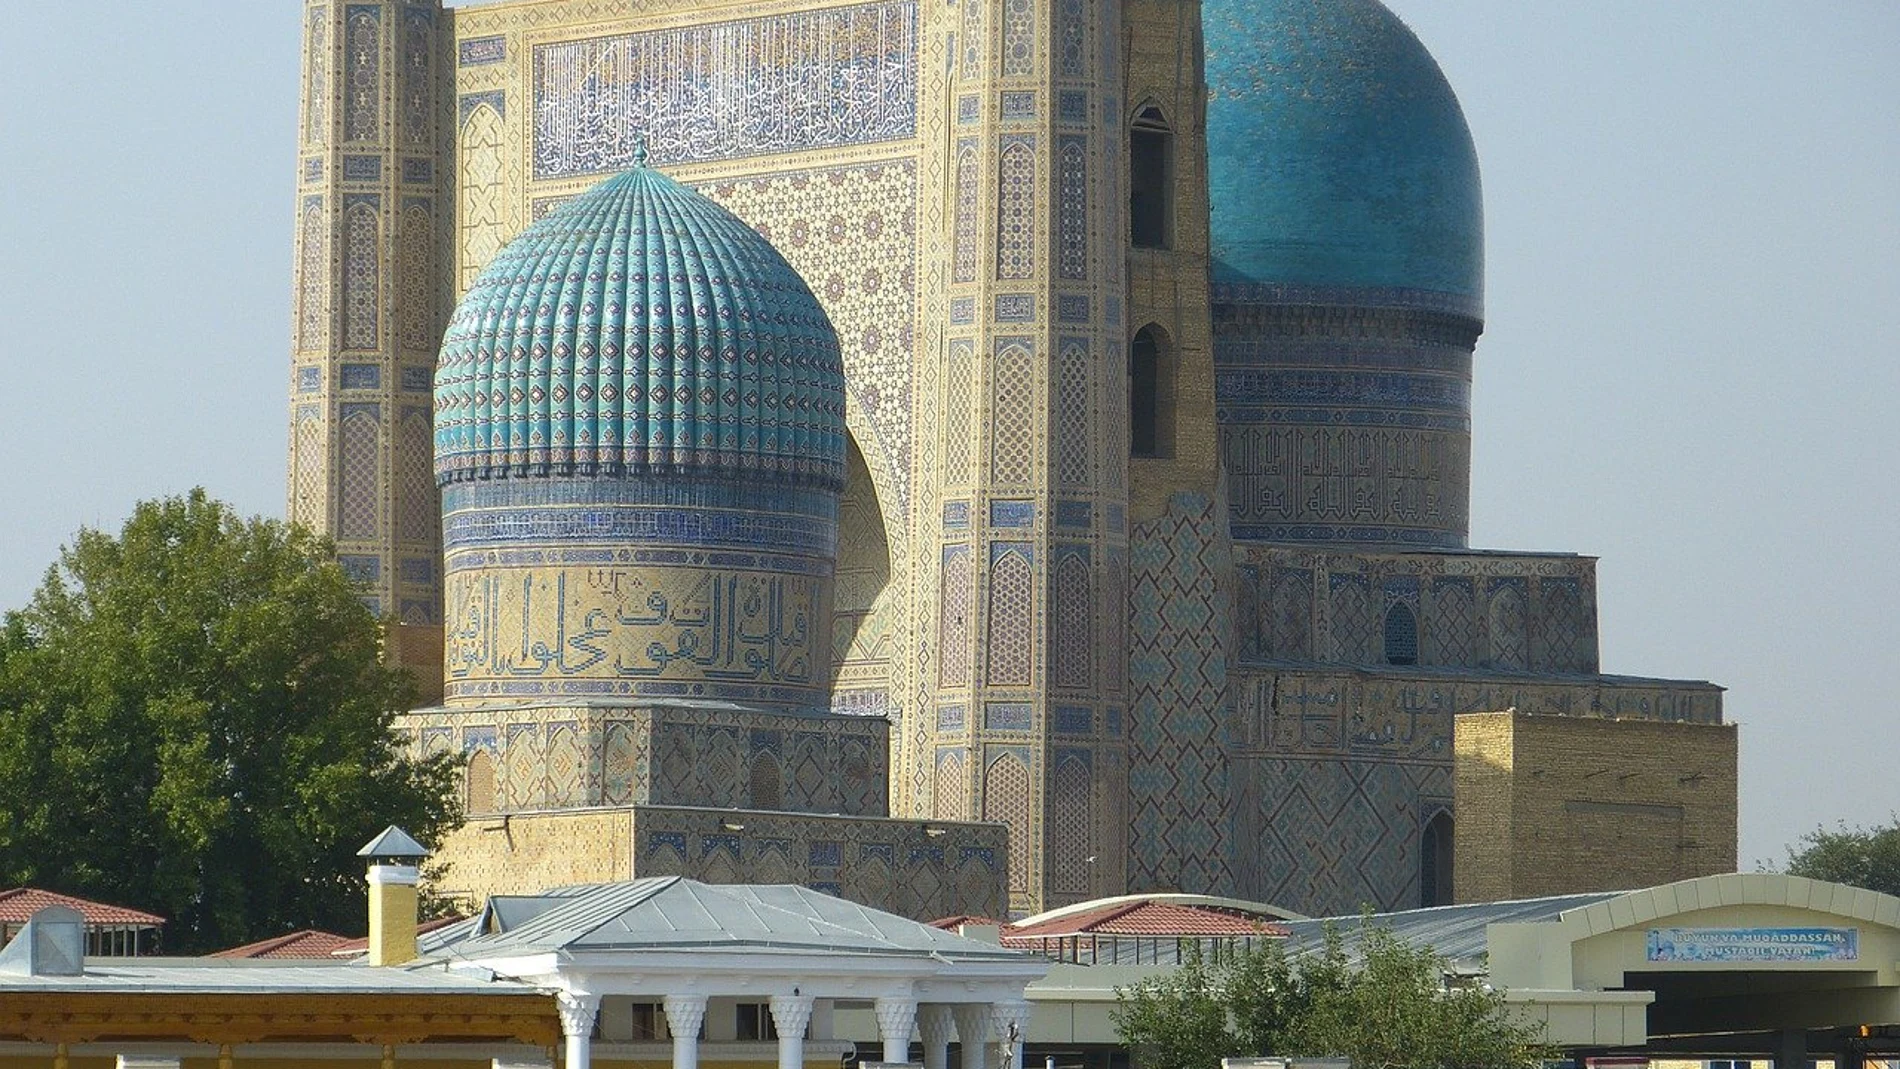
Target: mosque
{"type": "Point", "coordinates": [972, 456]}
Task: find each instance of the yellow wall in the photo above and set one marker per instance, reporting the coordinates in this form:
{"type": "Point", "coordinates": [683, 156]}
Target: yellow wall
{"type": "Point", "coordinates": [1558, 805]}
{"type": "Point", "coordinates": [520, 854]}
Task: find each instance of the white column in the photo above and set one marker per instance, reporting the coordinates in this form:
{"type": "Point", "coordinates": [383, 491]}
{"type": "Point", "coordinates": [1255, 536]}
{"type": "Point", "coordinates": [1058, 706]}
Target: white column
{"type": "Point", "coordinates": [973, 1034]}
{"type": "Point", "coordinates": [577, 1026]}
{"type": "Point", "coordinates": [684, 1015]}
{"type": "Point", "coordinates": [1009, 1022]}
{"type": "Point", "coordinates": [895, 1019]}
{"type": "Point", "coordinates": [790, 1015]}
{"type": "Point", "coordinates": [934, 1025]}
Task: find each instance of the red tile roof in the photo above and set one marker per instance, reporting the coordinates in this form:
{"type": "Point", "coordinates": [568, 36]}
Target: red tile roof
{"type": "Point", "coordinates": [308, 943]}
{"type": "Point", "coordinates": [360, 945]}
{"type": "Point", "coordinates": [1144, 919]}
{"type": "Point", "coordinates": [18, 905]}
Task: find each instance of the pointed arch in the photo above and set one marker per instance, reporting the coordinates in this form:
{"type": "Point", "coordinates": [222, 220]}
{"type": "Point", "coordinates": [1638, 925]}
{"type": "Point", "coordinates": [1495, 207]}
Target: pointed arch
{"type": "Point", "coordinates": [1435, 851]}
{"type": "Point", "coordinates": [1006, 801]}
{"type": "Point", "coordinates": [766, 786]}
{"type": "Point", "coordinates": [481, 782]}
{"type": "Point", "coordinates": [1151, 369]}
{"type": "Point", "coordinates": [1151, 179]}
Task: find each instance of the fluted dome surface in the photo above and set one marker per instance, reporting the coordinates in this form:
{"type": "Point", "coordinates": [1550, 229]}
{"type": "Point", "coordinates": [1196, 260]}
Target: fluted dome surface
{"type": "Point", "coordinates": [640, 329]}
{"type": "Point", "coordinates": [1337, 152]}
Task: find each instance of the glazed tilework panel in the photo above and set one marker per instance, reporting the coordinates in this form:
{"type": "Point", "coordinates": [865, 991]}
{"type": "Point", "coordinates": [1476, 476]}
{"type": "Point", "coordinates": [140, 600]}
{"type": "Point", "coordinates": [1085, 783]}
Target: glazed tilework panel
{"type": "Point", "coordinates": [1400, 715]}
{"type": "Point", "coordinates": [534, 758]}
{"type": "Point", "coordinates": [1345, 423]}
{"type": "Point", "coordinates": [643, 626]}
{"type": "Point", "coordinates": [1512, 612]}
{"type": "Point", "coordinates": [1329, 837]}
{"type": "Point", "coordinates": [891, 865]}
{"type": "Point", "coordinates": [788, 83]}
{"type": "Point", "coordinates": [824, 765]}
{"type": "Point", "coordinates": [1180, 620]}
{"type": "Point", "coordinates": [851, 233]}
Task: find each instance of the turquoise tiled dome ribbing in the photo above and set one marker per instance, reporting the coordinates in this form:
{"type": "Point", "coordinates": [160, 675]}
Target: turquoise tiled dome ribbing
{"type": "Point", "coordinates": [1337, 154]}
{"type": "Point", "coordinates": [640, 329]}
{"type": "Point", "coordinates": [640, 437]}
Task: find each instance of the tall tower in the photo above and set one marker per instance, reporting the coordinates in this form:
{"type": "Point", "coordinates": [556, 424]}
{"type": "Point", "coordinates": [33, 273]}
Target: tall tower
{"type": "Point", "coordinates": [1024, 691]}
{"type": "Point", "coordinates": [367, 316]}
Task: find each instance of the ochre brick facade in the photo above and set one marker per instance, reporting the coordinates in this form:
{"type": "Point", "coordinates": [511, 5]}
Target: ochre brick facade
{"type": "Point", "coordinates": [910, 867]}
{"type": "Point", "coordinates": [1557, 805]}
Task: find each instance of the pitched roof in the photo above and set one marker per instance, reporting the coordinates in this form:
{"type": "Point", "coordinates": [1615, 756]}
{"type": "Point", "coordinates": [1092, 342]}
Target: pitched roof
{"type": "Point", "coordinates": [18, 905]}
{"type": "Point", "coordinates": [1144, 918]}
{"type": "Point", "coordinates": [671, 913]}
{"type": "Point", "coordinates": [308, 943]}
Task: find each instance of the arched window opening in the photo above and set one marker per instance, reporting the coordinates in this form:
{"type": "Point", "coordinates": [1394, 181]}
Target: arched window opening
{"type": "Point", "coordinates": [1434, 862]}
{"type": "Point", "coordinates": [765, 790]}
{"type": "Point", "coordinates": [481, 782]}
{"type": "Point", "coordinates": [1401, 635]}
{"type": "Point", "coordinates": [1151, 180]}
{"type": "Point", "coordinates": [1150, 395]}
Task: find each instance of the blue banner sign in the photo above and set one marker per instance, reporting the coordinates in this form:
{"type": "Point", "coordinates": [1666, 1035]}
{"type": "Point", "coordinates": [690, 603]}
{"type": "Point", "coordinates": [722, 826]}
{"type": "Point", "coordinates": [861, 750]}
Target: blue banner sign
{"type": "Point", "coordinates": [1729, 945]}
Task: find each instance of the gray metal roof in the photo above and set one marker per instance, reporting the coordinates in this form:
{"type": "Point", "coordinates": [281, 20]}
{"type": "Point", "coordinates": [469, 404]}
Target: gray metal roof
{"type": "Point", "coordinates": [393, 842]}
{"type": "Point", "coordinates": [252, 976]}
{"type": "Point", "coordinates": [1456, 933]}
{"type": "Point", "coordinates": [671, 913]}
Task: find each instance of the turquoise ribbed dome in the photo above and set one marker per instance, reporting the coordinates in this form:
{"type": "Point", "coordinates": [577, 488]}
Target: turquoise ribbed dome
{"type": "Point", "coordinates": [1337, 153]}
{"type": "Point", "coordinates": [640, 329]}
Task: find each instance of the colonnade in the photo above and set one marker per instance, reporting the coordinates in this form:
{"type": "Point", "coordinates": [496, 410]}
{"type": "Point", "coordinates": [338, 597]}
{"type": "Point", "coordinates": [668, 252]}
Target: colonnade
{"type": "Point", "coordinates": [997, 1028]}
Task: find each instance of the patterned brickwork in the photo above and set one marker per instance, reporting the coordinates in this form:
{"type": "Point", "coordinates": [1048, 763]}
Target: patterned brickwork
{"type": "Point", "coordinates": [553, 757]}
{"type": "Point", "coordinates": [1006, 800]}
{"type": "Point", "coordinates": [1280, 585]}
{"type": "Point", "coordinates": [1178, 730]}
{"type": "Point", "coordinates": [1345, 416]}
{"type": "Point", "coordinates": [1328, 833]}
{"type": "Point", "coordinates": [367, 315]}
{"type": "Point", "coordinates": [1009, 651]}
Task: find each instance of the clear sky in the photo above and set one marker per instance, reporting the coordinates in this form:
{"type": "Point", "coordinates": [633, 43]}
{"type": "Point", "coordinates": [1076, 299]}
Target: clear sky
{"type": "Point", "coordinates": [1693, 230]}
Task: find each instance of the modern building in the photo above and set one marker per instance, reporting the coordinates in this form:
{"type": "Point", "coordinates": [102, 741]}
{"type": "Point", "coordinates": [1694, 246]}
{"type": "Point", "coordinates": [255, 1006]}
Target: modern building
{"type": "Point", "coordinates": [1109, 533]}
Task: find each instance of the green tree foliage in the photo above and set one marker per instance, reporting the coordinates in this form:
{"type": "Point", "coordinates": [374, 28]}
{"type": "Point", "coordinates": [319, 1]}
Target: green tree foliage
{"type": "Point", "coordinates": [1860, 857]}
{"type": "Point", "coordinates": [1388, 1010]}
{"type": "Point", "coordinates": [195, 720]}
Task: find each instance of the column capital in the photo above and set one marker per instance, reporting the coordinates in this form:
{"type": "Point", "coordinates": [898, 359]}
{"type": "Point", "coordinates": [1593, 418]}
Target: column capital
{"type": "Point", "coordinates": [896, 1012]}
{"type": "Point", "coordinates": [973, 1022]}
{"type": "Point", "coordinates": [934, 1022]}
{"type": "Point", "coordinates": [684, 1014]}
{"type": "Point", "coordinates": [790, 1014]}
{"type": "Point", "coordinates": [578, 1009]}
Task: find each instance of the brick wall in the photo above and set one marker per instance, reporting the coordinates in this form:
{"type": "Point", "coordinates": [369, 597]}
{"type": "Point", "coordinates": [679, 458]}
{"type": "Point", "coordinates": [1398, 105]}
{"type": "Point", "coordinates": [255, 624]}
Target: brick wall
{"type": "Point", "coordinates": [1555, 805]}
{"type": "Point", "coordinates": [922, 870]}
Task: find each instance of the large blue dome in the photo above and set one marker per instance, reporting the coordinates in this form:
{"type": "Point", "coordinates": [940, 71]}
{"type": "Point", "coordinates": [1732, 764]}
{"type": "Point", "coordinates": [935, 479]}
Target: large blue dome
{"type": "Point", "coordinates": [1337, 153]}
{"type": "Point", "coordinates": [640, 329]}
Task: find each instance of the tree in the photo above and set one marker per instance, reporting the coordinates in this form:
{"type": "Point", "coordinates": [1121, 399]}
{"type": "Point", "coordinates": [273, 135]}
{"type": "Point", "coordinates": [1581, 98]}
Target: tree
{"type": "Point", "coordinates": [1860, 857]}
{"type": "Point", "coordinates": [1391, 1009]}
{"type": "Point", "coordinates": [195, 719]}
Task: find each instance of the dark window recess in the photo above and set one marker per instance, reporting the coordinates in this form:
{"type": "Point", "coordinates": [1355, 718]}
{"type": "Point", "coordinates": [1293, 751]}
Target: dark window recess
{"type": "Point", "coordinates": [1144, 395]}
{"type": "Point", "coordinates": [755, 1023]}
{"type": "Point", "coordinates": [1401, 635]}
{"type": "Point", "coordinates": [1150, 181]}
{"type": "Point", "coordinates": [1434, 862]}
